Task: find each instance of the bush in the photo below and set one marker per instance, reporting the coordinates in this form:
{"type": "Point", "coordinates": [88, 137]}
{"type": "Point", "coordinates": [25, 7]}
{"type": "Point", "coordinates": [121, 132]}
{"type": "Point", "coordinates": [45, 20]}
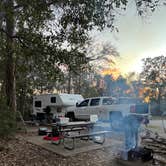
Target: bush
{"type": "Point", "coordinates": [7, 121]}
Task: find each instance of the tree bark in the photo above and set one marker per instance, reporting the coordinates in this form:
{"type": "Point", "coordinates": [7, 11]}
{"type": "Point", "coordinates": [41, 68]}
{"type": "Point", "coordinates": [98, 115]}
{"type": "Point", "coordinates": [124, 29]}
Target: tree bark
{"type": "Point", "coordinates": [159, 99]}
{"type": "Point", "coordinates": [69, 83]}
{"type": "Point", "coordinates": [10, 60]}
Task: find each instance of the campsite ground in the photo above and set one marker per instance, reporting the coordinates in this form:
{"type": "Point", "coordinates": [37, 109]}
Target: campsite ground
{"type": "Point", "coordinates": [19, 152]}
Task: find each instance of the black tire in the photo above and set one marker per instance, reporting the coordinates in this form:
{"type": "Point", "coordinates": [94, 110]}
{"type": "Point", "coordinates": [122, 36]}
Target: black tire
{"type": "Point", "coordinates": [116, 119]}
{"type": "Point", "coordinates": [71, 116]}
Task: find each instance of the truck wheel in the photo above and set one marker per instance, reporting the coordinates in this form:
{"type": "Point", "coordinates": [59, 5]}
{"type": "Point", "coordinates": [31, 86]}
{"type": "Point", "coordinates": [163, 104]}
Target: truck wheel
{"type": "Point", "coordinates": [116, 121]}
{"type": "Point", "coordinates": [71, 116]}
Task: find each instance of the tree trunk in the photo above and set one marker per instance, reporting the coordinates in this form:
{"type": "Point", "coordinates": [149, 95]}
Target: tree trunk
{"type": "Point", "coordinates": [21, 101]}
{"type": "Point", "coordinates": [10, 62]}
{"type": "Point", "coordinates": [69, 83]}
{"type": "Point", "coordinates": [78, 84]}
{"type": "Point", "coordinates": [159, 99]}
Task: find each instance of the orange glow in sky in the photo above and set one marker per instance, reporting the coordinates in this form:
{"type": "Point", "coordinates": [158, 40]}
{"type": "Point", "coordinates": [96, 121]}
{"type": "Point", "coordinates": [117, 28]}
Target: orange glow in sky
{"type": "Point", "coordinates": [115, 73]}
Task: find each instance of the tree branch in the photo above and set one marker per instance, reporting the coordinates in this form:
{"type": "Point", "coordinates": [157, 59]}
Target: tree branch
{"type": "Point", "coordinates": [19, 38]}
{"type": "Point", "coordinates": [17, 6]}
{"type": "Point", "coordinates": [2, 30]}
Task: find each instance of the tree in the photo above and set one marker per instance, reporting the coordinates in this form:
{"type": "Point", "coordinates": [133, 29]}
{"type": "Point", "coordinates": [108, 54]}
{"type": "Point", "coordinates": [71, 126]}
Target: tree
{"type": "Point", "coordinates": [23, 23]}
{"type": "Point", "coordinates": [27, 49]}
{"type": "Point", "coordinates": [12, 27]}
{"type": "Point", "coordinates": [154, 77]}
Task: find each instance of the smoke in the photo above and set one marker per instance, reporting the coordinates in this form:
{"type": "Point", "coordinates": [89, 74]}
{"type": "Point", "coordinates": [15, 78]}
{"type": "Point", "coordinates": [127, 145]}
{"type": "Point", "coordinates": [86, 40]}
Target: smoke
{"type": "Point", "coordinates": [124, 131]}
{"type": "Point", "coordinates": [114, 139]}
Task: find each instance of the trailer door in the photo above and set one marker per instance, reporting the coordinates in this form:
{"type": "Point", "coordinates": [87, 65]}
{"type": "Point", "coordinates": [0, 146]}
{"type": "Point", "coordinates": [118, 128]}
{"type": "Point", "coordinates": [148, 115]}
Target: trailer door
{"type": "Point", "coordinates": [37, 106]}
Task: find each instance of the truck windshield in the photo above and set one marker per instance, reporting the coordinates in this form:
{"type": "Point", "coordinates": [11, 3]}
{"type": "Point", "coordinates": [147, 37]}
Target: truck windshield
{"type": "Point", "coordinates": [84, 103]}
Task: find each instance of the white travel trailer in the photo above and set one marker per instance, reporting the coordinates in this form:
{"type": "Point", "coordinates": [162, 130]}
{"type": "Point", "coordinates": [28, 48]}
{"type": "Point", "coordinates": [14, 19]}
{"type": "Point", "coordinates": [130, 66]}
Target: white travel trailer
{"type": "Point", "coordinates": [56, 102]}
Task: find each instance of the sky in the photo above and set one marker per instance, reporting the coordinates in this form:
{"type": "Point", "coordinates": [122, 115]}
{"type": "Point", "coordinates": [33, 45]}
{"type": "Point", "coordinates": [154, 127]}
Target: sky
{"type": "Point", "coordinates": [137, 38]}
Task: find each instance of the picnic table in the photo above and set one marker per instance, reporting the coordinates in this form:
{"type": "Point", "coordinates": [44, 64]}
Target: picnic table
{"type": "Point", "coordinates": [63, 129]}
{"type": "Point", "coordinates": [75, 130]}
{"type": "Point", "coordinates": [73, 125]}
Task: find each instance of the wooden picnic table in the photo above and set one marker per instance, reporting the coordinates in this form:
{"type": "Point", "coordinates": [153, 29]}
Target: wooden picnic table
{"type": "Point", "coordinates": [62, 129]}
{"type": "Point", "coordinates": [74, 124]}
{"type": "Point", "coordinates": [75, 128]}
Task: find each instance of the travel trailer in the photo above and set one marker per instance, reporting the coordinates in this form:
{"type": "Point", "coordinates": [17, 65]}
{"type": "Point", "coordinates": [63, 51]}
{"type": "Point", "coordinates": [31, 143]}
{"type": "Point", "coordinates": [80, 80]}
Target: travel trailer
{"type": "Point", "coordinates": [57, 103]}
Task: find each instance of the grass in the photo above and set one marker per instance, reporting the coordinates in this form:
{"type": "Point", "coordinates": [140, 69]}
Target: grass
{"type": "Point", "coordinates": [158, 117]}
{"type": "Point", "coordinates": [153, 127]}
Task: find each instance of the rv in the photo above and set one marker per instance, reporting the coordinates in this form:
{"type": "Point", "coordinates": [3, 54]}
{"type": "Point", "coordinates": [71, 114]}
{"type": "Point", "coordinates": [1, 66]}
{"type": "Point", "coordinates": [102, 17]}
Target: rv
{"type": "Point", "coordinates": [57, 104]}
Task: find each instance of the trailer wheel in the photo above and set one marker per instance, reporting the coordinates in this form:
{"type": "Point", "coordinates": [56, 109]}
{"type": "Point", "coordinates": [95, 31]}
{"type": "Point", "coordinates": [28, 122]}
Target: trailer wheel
{"type": "Point", "coordinates": [71, 116]}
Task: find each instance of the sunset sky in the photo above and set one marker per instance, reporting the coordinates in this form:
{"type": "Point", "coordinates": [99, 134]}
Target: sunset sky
{"type": "Point", "coordinates": [137, 38]}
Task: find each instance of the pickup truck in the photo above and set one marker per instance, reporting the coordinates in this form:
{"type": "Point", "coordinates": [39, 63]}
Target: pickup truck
{"type": "Point", "coordinates": [108, 109]}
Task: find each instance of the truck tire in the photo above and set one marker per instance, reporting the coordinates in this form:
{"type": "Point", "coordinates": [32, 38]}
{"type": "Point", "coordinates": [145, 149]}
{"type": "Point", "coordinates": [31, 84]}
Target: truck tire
{"type": "Point", "coordinates": [116, 121]}
{"type": "Point", "coordinates": [71, 116]}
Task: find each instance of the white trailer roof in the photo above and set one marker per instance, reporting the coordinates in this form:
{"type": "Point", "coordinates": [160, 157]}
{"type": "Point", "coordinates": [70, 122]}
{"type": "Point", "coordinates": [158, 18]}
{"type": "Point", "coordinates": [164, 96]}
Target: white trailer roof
{"type": "Point", "coordinates": [70, 99]}
{"type": "Point", "coordinates": [62, 99]}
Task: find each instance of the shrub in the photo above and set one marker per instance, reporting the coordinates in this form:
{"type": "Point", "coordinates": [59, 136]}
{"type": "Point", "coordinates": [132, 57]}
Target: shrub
{"type": "Point", "coordinates": [7, 120]}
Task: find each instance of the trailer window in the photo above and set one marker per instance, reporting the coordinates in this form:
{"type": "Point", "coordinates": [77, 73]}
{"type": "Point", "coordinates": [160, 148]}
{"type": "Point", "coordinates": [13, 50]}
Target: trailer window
{"type": "Point", "coordinates": [94, 102]}
{"type": "Point", "coordinates": [53, 99]}
{"type": "Point", "coordinates": [37, 103]}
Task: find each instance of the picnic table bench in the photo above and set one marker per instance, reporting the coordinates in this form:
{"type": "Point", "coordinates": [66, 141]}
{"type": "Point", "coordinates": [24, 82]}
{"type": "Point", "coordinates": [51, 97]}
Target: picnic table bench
{"type": "Point", "coordinates": [85, 135]}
